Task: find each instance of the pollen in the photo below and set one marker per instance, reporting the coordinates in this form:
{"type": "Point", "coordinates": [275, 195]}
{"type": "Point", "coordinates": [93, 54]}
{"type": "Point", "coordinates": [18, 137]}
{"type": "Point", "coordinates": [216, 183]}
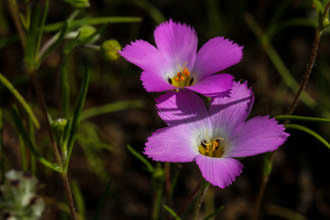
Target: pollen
{"type": "Point", "coordinates": [213, 148]}
{"type": "Point", "coordinates": [182, 79]}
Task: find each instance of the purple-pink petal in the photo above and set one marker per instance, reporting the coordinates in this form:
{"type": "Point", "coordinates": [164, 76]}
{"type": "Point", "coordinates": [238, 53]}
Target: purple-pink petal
{"type": "Point", "coordinates": [229, 112]}
{"type": "Point", "coordinates": [173, 144]}
{"type": "Point", "coordinates": [177, 42]}
{"type": "Point", "coordinates": [215, 85]}
{"type": "Point", "coordinates": [181, 107]}
{"type": "Point", "coordinates": [154, 82]}
{"type": "Point", "coordinates": [145, 56]}
{"type": "Point", "coordinates": [217, 54]}
{"type": "Point", "coordinates": [219, 172]}
{"type": "Point", "coordinates": [258, 135]}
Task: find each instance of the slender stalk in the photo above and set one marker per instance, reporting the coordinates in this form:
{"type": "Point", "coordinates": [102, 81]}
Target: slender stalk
{"type": "Point", "coordinates": [200, 200]}
{"type": "Point", "coordinates": [189, 200]}
{"type": "Point", "coordinates": [58, 158]}
{"type": "Point", "coordinates": [290, 112]}
{"type": "Point", "coordinates": [43, 106]}
{"type": "Point", "coordinates": [69, 195]}
{"type": "Point", "coordinates": [307, 72]}
{"type": "Point", "coordinates": [14, 14]}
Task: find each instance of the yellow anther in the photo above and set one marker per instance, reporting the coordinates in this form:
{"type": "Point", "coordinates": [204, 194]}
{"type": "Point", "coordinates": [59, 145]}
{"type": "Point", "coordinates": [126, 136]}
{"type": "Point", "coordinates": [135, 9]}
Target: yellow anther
{"type": "Point", "coordinates": [176, 78]}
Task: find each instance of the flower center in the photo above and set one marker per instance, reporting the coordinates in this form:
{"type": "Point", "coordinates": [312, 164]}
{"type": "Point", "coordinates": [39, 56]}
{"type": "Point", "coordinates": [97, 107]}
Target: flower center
{"type": "Point", "coordinates": [182, 79]}
{"type": "Point", "coordinates": [213, 148]}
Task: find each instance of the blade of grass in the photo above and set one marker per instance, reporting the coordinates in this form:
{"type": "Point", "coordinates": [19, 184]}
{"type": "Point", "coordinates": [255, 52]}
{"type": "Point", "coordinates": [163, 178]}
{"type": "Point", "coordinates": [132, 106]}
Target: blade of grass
{"type": "Point", "coordinates": [76, 117]}
{"type": "Point", "coordinates": [112, 107]}
{"type": "Point", "coordinates": [150, 168]}
{"type": "Point", "coordinates": [93, 21]}
{"type": "Point", "coordinates": [172, 212]}
{"type": "Point", "coordinates": [42, 26]}
{"type": "Point", "coordinates": [309, 131]}
{"type": "Point", "coordinates": [277, 61]}
{"type": "Point", "coordinates": [20, 128]}
{"type": "Point", "coordinates": [215, 213]}
{"type": "Point", "coordinates": [20, 99]}
{"type": "Point", "coordinates": [301, 118]}
{"type": "Point", "coordinates": [79, 200]}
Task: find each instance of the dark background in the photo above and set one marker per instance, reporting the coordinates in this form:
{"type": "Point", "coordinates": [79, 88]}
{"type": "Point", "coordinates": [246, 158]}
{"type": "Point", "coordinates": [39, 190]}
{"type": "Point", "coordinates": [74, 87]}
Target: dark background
{"type": "Point", "coordinates": [299, 182]}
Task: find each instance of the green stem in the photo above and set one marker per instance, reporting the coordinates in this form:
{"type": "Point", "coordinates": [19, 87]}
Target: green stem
{"type": "Point", "coordinates": [291, 110]}
{"type": "Point", "coordinates": [23, 153]}
{"type": "Point", "coordinates": [20, 99]}
{"type": "Point", "coordinates": [14, 14]}
{"type": "Point", "coordinates": [200, 200]}
{"type": "Point", "coordinates": [301, 118]}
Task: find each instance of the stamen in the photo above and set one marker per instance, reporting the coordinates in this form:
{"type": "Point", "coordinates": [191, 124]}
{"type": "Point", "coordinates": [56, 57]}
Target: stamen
{"type": "Point", "coordinates": [213, 148]}
{"type": "Point", "coordinates": [186, 72]}
{"type": "Point", "coordinates": [182, 79]}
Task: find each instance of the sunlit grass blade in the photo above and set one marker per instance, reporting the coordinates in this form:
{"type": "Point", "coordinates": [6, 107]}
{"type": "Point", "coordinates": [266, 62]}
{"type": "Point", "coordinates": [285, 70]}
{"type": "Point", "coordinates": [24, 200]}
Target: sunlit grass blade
{"type": "Point", "coordinates": [76, 117]}
{"type": "Point", "coordinates": [172, 212]}
{"type": "Point", "coordinates": [20, 99]}
{"type": "Point", "coordinates": [301, 118]}
{"type": "Point", "coordinates": [215, 213]}
{"type": "Point", "coordinates": [112, 107]}
{"type": "Point", "coordinates": [139, 156]}
{"type": "Point", "coordinates": [277, 61]}
{"type": "Point", "coordinates": [309, 131]}
{"type": "Point", "coordinates": [20, 128]}
{"type": "Point", "coordinates": [93, 21]}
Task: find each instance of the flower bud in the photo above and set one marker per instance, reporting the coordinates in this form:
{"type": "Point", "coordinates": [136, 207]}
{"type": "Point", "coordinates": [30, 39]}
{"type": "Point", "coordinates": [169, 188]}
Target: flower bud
{"type": "Point", "coordinates": [110, 49]}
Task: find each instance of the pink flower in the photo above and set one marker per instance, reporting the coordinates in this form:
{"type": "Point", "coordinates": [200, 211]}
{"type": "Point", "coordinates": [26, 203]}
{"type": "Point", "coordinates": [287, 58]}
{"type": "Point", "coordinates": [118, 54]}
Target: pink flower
{"type": "Point", "coordinates": [213, 137]}
{"type": "Point", "coordinates": [175, 63]}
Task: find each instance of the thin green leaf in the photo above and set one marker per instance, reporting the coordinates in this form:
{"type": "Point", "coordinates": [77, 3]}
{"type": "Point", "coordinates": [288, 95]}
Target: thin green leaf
{"type": "Point", "coordinates": [215, 213]}
{"type": "Point", "coordinates": [79, 199]}
{"type": "Point", "coordinates": [284, 72]}
{"type": "Point", "coordinates": [20, 99]}
{"type": "Point", "coordinates": [93, 21]}
{"type": "Point", "coordinates": [52, 43]}
{"type": "Point", "coordinates": [76, 116]}
{"type": "Point", "coordinates": [308, 131]}
{"type": "Point", "coordinates": [139, 156]}
{"type": "Point", "coordinates": [112, 107]}
{"type": "Point", "coordinates": [301, 118]}
{"type": "Point", "coordinates": [307, 22]}
{"type": "Point", "coordinates": [318, 6]}
{"type": "Point", "coordinates": [42, 25]}
{"type": "Point", "coordinates": [172, 212]}
{"type": "Point", "coordinates": [20, 128]}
